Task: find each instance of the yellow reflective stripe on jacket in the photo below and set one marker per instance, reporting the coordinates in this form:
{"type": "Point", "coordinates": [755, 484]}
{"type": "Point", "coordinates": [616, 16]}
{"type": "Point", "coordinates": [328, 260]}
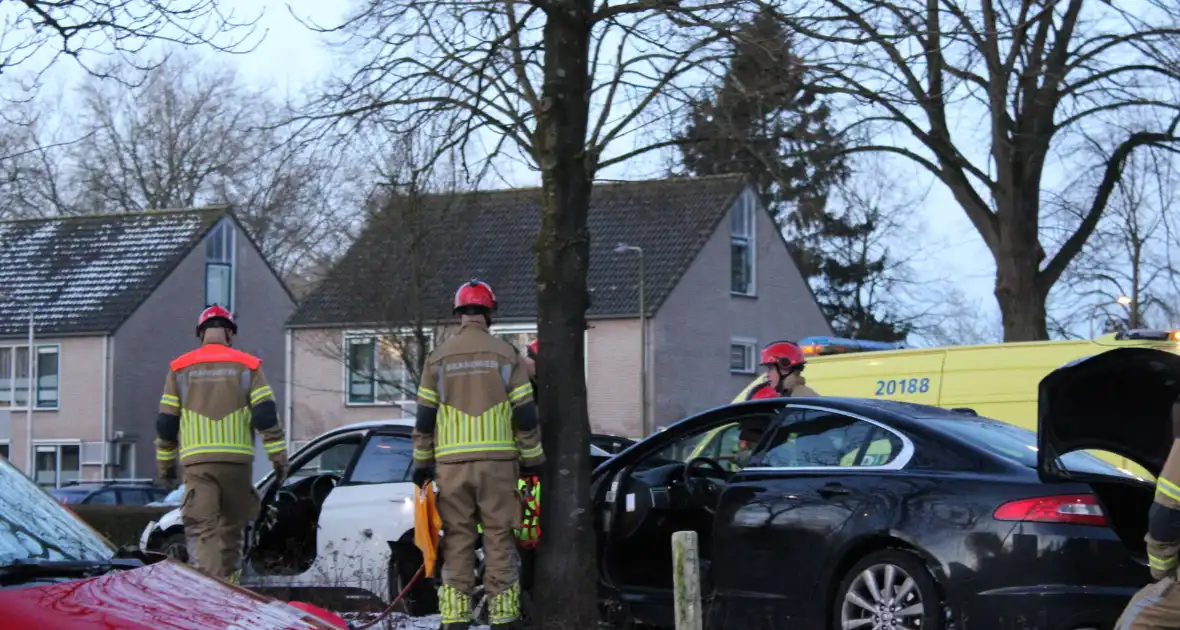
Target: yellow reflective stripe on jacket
{"type": "Point", "coordinates": [1162, 564]}
{"type": "Point", "coordinates": [170, 401]}
{"type": "Point", "coordinates": [165, 454]}
{"type": "Point", "coordinates": [429, 395]}
{"type": "Point", "coordinates": [1168, 489]}
{"type": "Point", "coordinates": [275, 447]}
{"type": "Point", "coordinates": [231, 434]}
{"type": "Point", "coordinates": [458, 432]}
{"type": "Point", "coordinates": [423, 456]}
{"type": "Point", "coordinates": [520, 392]}
{"type": "Point", "coordinates": [261, 394]}
{"type": "Point", "coordinates": [531, 453]}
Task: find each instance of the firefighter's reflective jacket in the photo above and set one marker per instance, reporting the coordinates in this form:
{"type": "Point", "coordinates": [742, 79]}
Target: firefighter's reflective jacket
{"type": "Point", "coordinates": [215, 398]}
{"type": "Point", "coordinates": [1163, 525]}
{"type": "Point", "coordinates": [475, 381]}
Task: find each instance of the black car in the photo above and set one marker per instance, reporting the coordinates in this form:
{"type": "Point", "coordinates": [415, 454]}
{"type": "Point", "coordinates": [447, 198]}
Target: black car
{"type": "Point", "coordinates": [856, 513]}
{"type": "Point", "coordinates": [109, 493]}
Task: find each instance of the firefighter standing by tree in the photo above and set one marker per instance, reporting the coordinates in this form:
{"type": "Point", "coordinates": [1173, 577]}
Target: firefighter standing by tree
{"type": "Point", "coordinates": [215, 398]}
{"type": "Point", "coordinates": [476, 425]}
{"type": "Point", "coordinates": [1157, 606]}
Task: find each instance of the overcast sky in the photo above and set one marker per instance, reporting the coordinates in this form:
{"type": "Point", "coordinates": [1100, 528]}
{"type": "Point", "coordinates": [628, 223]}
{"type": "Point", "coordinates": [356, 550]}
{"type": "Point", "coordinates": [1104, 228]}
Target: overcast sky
{"type": "Point", "coordinates": [291, 57]}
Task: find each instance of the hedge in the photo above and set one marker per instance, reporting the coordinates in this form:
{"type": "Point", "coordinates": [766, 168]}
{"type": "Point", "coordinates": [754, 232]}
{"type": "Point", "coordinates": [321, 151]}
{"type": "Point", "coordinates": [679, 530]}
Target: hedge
{"type": "Point", "coordinates": [121, 524]}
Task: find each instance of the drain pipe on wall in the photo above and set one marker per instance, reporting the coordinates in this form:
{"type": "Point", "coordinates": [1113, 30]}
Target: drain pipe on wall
{"type": "Point", "coordinates": [288, 387]}
{"type": "Point", "coordinates": [106, 405]}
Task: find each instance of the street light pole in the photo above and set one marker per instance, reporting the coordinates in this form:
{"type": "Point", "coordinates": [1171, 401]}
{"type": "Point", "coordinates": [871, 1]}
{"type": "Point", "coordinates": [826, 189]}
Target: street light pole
{"type": "Point", "coordinates": [29, 390]}
{"type": "Point", "coordinates": [646, 424]}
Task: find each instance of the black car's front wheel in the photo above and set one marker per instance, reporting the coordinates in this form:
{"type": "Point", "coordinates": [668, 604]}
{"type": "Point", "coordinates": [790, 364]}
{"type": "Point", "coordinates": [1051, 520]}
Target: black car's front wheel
{"type": "Point", "coordinates": [887, 590]}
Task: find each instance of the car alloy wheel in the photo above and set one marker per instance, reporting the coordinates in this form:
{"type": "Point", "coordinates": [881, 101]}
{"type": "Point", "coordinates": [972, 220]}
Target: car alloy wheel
{"type": "Point", "coordinates": [888, 590]}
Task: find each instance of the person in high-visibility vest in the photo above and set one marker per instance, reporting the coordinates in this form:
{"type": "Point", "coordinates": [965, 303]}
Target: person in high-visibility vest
{"type": "Point", "coordinates": [1157, 605]}
{"type": "Point", "coordinates": [476, 427]}
{"type": "Point", "coordinates": [215, 399]}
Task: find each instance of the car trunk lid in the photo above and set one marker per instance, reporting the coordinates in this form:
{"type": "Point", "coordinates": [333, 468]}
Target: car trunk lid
{"type": "Point", "coordinates": [1118, 401]}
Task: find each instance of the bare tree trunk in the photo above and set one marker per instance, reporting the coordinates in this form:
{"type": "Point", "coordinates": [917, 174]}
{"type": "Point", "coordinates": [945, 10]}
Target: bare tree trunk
{"type": "Point", "coordinates": [566, 575]}
{"type": "Point", "coordinates": [1018, 256]}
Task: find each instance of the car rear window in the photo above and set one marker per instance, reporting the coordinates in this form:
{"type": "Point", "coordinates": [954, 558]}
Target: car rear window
{"type": "Point", "coordinates": [1020, 445]}
{"type": "Point", "coordinates": [69, 496]}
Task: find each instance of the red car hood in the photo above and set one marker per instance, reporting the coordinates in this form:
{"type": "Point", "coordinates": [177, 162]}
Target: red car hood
{"type": "Point", "coordinates": [162, 596]}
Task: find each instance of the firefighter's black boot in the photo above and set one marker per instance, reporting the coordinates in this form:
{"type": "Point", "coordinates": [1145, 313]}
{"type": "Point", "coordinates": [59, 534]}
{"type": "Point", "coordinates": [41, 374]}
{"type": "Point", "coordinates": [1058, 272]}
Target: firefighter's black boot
{"type": "Point", "coordinates": [458, 625]}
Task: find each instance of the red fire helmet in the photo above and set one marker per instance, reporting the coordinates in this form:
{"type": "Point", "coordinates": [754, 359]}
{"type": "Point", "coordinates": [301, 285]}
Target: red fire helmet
{"type": "Point", "coordinates": [216, 312]}
{"type": "Point", "coordinates": [783, 354]}
{"type": "Point", "coordinates": [475, 293]}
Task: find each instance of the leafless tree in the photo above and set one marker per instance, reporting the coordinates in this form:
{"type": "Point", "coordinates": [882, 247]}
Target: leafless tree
{"type": "Point", "coordinates": [1125, 277]}
{"type": "Point", "coordinates": [406, 246]}
{"type": "Point", "coordinates": [1035, 72]}
{"type": "Point", "coordinates": [520, 79]}
{"type": "Point", "coordinates": [867, 258]}
{"type": "Point", "coordinates": [36, 34]}
{"type": "Point", "coordinates": [190, 134]}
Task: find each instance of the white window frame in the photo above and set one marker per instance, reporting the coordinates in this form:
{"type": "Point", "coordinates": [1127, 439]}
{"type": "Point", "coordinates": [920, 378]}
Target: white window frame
{"type": "Point", "coordinates": [531, 329]}
{"type": "Point", "coordinates": [745, 203]}
{"type": "Point", "coordinates": [223, 229]}
{"type": "Point", "coordinates": [42, 348]}
{"type": "Point", "coordinates": [751, 347]}
{"type": "Point", "coordinates": [352, 336]}
{"type": "Point", "coordinates": [41, 446]}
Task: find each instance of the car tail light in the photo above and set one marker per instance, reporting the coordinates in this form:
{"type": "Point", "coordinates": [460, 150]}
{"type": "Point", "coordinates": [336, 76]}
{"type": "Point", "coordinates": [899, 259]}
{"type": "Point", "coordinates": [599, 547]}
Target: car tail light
{"type": "Point", "coordinates": [1078, 509]}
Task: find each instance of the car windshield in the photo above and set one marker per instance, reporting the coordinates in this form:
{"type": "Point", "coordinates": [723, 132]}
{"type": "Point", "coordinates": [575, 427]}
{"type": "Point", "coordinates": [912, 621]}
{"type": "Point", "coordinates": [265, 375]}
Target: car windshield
{"type": "Point", "coordinates": [34, 525]}
{"type": "Point", "coordinates": [1020, 445]}
{"type": "Point", "coordinates": [70, 495]}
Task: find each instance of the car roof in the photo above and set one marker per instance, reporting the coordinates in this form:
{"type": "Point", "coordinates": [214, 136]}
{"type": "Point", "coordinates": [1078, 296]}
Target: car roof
{"type": "Point", "coordinates": [367, 426]}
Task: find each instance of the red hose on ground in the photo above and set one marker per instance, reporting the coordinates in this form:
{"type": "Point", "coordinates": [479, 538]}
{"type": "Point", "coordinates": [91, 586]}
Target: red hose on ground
{"type": "Point", "coordinates": [400, 597]}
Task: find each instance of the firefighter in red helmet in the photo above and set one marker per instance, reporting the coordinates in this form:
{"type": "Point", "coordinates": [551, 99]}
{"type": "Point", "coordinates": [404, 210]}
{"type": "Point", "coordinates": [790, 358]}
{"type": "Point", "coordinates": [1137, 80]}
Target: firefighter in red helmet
{"type": "Point", "coordinates": [215, 399]}
{"type": "Point", "coordinates": [476, 426]}
{"type": "Point", "coordinates": [784, 362]}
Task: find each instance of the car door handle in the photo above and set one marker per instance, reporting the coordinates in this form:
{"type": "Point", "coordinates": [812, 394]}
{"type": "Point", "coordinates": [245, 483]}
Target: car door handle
{"type": "Point", "coordinates": [830, 490]}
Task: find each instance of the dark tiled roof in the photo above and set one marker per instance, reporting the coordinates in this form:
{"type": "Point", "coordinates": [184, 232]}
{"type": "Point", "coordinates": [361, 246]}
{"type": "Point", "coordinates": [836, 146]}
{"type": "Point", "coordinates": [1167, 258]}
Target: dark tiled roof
{"type": "Point", "coordinates": [88, 274]}
{"type": "Point", "coordinates": [491, 235]}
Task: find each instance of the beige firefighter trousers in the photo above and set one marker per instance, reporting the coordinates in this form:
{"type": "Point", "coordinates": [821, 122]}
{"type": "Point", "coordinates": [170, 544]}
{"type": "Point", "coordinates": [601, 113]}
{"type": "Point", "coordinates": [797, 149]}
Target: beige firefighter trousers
{"type": "Point", "coordinates": [1155, 607]}
{"type": "Point", "coordinates": [219, 501]}
{"type": "Point", "coordinates": [470, 493]}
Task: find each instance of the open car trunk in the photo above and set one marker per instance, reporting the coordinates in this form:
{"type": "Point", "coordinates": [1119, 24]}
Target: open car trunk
{"type": "Point", "coordinates": [1118, 401]}
{"type": "Point", "coordinates": [1126, 503]}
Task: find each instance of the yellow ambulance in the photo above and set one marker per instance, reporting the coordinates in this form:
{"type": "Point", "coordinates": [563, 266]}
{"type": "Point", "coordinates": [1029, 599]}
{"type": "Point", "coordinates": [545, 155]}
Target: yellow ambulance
{"type": "Point", "coordinates": [996, 380]}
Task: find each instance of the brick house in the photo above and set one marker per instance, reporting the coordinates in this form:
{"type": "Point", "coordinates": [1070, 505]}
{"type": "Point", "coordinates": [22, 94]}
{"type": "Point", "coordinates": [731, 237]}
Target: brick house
{"type": "Point", "coordinates": [720, 283]}
{"type": "Point", "coordinates": [115, 297]}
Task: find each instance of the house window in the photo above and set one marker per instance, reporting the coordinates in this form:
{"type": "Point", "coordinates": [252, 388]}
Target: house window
{"type": "Point", "coordinates": [741, 234]}
{"type": "Point", "coordinates": [58, 464]}
{"type": "Point", "coordinates": [14, 381]}
{"type": "Point", "coordinates": [519, 336]}
{"type": "Point", "coordinates": [219, 265]}
{"type": "Point", "coordinates": [4, 450]}
{"type": "Point", "coordinates": [380, 369]}
{"type": "Point", "coordinates": [742, 356]}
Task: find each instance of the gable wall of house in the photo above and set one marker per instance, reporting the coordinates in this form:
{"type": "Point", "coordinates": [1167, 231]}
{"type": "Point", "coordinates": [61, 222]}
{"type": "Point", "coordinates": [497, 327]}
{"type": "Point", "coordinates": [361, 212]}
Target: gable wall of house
{"type": "Point", "coordinates": [693, 330]}
{"type": "Point", "coordinates": [164, 327]}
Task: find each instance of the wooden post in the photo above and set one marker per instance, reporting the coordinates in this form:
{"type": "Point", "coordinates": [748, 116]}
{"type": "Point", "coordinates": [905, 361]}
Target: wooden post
{"type": "Point", "coordinates": [686, 576]}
